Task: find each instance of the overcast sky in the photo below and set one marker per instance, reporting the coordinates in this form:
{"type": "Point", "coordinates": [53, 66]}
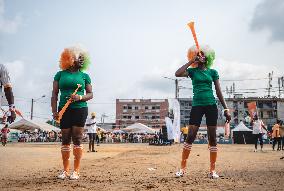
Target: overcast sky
{"type": "Point", "coordinates": [135, 43]}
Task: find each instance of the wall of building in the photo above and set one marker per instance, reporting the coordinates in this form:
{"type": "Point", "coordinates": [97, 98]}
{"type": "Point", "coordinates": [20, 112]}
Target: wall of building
{"type": "Point", "coordinates": [151, 112]}
{"type": "Point", "coordinates": [269, 110]}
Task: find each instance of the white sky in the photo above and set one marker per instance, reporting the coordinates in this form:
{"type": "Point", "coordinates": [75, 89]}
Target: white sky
{"type": "Point", "coordinates": [135, 43]}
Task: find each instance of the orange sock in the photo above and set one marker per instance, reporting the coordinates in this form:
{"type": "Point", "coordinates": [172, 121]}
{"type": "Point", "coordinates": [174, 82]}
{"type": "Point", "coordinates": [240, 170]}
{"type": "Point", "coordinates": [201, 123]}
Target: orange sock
{"type": "Point", "coordinates": [213, 157]}
{"type": "Point", "coordinates": [77, 152]}
{"type": "Point", "coordinates": [65, 152]}
{"type": "Point", "coordinates": [185, 153]}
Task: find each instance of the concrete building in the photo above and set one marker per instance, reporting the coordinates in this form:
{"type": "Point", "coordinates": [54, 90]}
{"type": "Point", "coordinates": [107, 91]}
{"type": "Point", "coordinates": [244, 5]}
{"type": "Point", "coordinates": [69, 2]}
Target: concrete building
{"type": "Point", "coordinates": [150, 112]}
{"type": "Point", "coordinates": [107, 126]}
{"type": "Point", "coordinates": [185, 108]}
{"type": "Point", "coordinates": [269, 110]}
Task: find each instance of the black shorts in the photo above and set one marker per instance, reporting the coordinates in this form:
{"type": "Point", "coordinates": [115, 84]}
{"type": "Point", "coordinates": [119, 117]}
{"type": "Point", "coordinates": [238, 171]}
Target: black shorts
{"type": "Point", "coordinates": [197, 112]}
{"type": "Point", "coordinates": [74, 117]}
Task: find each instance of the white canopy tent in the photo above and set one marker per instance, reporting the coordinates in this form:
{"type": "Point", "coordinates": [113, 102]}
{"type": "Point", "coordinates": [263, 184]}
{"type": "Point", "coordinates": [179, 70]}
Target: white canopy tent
{"type": "Point", "coordinates": [139, 128]}
{"type": "Point", "coordinates": [219, 130]}
{"type": "Point", "coordinates": [26, 124]}
{"type": "Point", "coordinates": [241, 127]}
{"type": "Point", "coordinates": [242, 134]}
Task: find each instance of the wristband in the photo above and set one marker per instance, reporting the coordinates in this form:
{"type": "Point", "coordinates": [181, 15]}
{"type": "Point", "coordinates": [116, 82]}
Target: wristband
{"type": "Point", "coordinates": [225, 110]}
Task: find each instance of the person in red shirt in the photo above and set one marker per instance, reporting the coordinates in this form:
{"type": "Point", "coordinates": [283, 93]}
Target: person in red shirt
{"type": "Point", "coordinates": [5, 131]}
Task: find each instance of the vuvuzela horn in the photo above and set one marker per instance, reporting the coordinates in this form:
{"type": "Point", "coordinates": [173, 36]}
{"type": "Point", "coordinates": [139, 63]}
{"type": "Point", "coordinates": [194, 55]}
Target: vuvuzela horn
{"type": "Point", "coordinates": [191, 26]}
{"type": "Point", "coordinates": [69, 101]}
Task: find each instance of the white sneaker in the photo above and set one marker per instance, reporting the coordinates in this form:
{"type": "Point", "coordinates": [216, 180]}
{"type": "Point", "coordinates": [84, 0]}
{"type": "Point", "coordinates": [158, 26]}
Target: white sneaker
{"type": "Point", "coordinates": [63, 175]}
{"type": "Point", "coordinates": [180, 173]}
{"type": "Point", "coordinates": [255, 150]}
{"type": "Point", "coordinates": [213, 175]}
{"type": "Point", "coordinates": [74, 176]}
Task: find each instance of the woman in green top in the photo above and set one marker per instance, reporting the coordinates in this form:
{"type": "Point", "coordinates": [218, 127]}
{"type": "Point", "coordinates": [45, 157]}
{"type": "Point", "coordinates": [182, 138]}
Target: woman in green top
{"type": "Point", "coordinates": [73, 61]}
{"type": "Point", "coordinates": [204, 103]}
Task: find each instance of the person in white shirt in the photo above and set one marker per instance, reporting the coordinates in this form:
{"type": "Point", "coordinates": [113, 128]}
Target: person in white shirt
{"type": "Point", "coordinates": [92, 131]}
{"type": "Point", "coordinates": [257, 131]}
{"type": "Point", "coordinates": [5, 81]}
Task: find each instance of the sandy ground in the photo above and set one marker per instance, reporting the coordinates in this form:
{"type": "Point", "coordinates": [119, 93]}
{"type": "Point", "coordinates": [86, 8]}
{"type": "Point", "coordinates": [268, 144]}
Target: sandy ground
{"type": "Point", "coordinates": [125, 167]}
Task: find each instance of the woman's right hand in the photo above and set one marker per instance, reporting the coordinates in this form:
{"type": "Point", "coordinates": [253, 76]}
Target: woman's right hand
{"type": "Point", "coordinates": [228, 116]}
{"type": "Point", "coordinates": [55, 115]}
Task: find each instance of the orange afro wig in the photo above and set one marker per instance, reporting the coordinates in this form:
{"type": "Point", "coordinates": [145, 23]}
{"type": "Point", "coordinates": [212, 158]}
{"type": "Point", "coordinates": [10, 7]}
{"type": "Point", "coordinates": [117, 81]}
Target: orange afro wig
{"type": "Point", "coordinates": [208, 52]}
{"type": "Point", "coordinates": [69, 55]}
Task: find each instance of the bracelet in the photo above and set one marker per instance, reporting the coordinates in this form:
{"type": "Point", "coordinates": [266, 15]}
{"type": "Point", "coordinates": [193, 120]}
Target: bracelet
{"type": "Point", "coordinates": [226, 110]}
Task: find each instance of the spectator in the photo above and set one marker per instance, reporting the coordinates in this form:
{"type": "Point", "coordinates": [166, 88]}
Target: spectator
{"type": "Point", "coordinates": [281, 131]}
{"type": "Point", "coordinates": [276, 136]}
{"type": "Point", "coordinates": [5, 81]}
{"type": "Point", "coordinates": [257, 127]}
{"type": "Point", "coordinates": [92, 131]}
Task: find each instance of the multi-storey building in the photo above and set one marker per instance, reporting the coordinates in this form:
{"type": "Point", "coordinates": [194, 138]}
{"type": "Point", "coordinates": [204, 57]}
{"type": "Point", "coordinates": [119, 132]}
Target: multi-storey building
{"type": "Point", "coordinates": [269, 109]}
{"type": "Point", "coordinates": [150, 112]}
{"type": "Point", "coordinates": [185, 108]}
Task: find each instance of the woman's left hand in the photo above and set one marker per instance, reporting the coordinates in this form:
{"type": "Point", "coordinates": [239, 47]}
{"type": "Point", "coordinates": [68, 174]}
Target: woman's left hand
{"type": "Point", "coordinates": [75, 97]}
{"type": "Point", "coordinates": [228, 116]}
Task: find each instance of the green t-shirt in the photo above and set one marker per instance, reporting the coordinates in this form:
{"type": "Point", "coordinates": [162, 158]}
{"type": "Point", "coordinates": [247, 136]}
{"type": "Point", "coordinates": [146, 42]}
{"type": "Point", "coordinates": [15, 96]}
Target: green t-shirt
{"type": "Point", "coordinates": [68, 83]}
{"type": "Point", "coordinates": [202, 86]}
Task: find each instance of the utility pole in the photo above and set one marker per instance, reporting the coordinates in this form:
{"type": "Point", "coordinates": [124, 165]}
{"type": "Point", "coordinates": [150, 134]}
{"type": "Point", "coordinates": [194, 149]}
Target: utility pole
{"type": "Point", "coordinates": [177, 89]}
{"type": "Point", "coordinates": [269, 82]}
{"type": "Point", "coordinates": [103, 119]}
{"type": "Point", "coordinates": [280, 85]}
{"type": "Point", "coordinates": [32, 109]}
{"type": "Point", "coordinates": [279, 90]}
{"type": "Point", "coordinates": [231, 91]}
{"type": "Point", "coordinates": [32, 106]}
{"type": "Point", "coordinates": [176, 86]}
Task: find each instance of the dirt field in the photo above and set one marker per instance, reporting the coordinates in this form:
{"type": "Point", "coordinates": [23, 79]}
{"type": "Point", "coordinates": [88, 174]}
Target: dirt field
{"type": "Point", "coordinates": [126, 167]}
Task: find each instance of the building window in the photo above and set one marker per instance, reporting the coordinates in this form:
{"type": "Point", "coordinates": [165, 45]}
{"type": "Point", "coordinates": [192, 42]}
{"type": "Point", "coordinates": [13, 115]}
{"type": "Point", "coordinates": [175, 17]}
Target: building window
{"type": "Point", "coordinates": [136, 117]}
{"type": "Point", "coordinates": [153, 117]}
{"type": "Point", "coordinates": [129, 107]}
{"type": "Point", "coordinates": [136, 108]}
{"type": "Point", "coordinates": [270, 114]}
{"type": "Point", "coordinates": [146, 107]}
{"type": "Point", "coordinates": [124, 117]}
{"type": "Point", "coordinates": [129, 117]}
{"type": "Point", "coordinates": [124, 107]}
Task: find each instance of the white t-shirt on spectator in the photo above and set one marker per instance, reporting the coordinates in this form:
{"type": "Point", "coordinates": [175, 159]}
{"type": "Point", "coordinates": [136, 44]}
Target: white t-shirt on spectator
{"type": "Point", "coordinates": [257, 127]}
{"type": "Point", "coordinates": [4, 81]}
{"type": "Point", "coordinates": [92, 128]}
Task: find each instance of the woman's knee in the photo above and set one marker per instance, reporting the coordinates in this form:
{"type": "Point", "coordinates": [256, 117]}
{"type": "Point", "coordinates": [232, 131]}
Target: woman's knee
{"type": "Point", "coordinates": [66, 137]}
{"type": "Point", "coordinates": [212, 135]}
{"type": "Point", "coordinates": [192, 131]}
{"type": "Point", "coordinates": [77, 137]}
